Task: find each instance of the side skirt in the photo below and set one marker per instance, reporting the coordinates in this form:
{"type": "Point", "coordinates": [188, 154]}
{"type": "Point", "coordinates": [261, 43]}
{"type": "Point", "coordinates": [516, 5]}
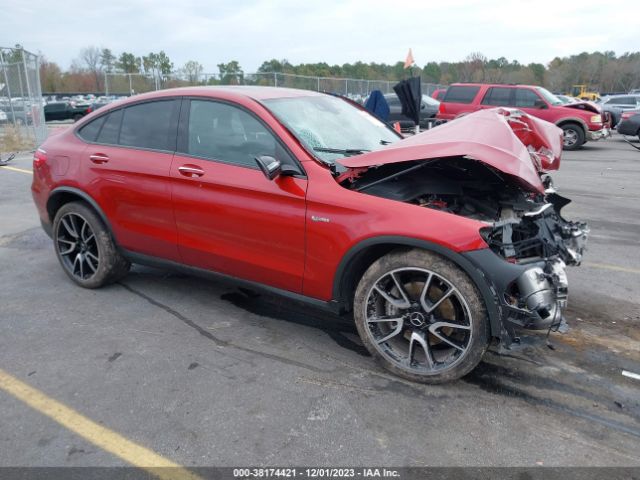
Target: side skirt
{"type": "Point", "coordinates": [155, 262]}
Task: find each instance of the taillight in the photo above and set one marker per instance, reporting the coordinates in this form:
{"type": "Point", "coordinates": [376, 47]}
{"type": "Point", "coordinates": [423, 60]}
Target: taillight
{"type": "Point", "coordinates": [89, 110]}
{"type": "Point", "coordinates": [441, 108]}
{"type": "Point", "coordinates": [39, 158]}
{"type": "Point", "coordinates": [626, 115]}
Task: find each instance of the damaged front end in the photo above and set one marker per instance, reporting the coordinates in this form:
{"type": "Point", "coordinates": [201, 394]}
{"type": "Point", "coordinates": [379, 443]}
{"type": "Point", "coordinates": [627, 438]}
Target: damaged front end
{"type": "Point", "coordinates": [530, 243]}
{"type": "Point", "coordinates": [535, 238]}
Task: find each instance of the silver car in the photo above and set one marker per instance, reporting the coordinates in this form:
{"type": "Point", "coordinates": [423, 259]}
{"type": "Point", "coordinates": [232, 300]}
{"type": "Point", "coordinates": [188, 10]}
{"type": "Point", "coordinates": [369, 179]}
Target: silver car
{"type": "Point", "coordinates": [623, 102]}
{"type": "Point", "coordinates": [616, 104]}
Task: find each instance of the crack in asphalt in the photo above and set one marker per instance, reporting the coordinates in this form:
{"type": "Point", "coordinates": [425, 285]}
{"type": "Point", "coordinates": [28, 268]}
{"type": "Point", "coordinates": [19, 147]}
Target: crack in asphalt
{"type": "Point", "coordinates": [208, 335]}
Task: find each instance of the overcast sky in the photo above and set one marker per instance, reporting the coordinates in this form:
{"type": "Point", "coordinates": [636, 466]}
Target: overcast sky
{"type": "Point", "coordinates": [329, 31]}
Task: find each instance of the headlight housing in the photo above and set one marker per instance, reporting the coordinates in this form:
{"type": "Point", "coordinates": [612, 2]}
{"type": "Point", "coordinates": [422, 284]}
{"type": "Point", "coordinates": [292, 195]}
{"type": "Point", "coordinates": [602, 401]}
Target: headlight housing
{"type": "Point", "coordinates": [596, 119]}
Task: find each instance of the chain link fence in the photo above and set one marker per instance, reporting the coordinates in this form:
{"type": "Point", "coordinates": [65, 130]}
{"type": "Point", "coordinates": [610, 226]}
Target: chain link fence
{"type": "Point", "coordinates": [356, 89]}
{"type": "Point", "coordinates": [22, 123]}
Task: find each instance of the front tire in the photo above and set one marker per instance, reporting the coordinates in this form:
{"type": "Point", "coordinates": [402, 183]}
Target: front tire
{"type": "Point", "coordinates": [573, 136]}
{"type": "Point", "coordinates": [421, 316]}
{"type": "Point", "coordinates": [85, 247]}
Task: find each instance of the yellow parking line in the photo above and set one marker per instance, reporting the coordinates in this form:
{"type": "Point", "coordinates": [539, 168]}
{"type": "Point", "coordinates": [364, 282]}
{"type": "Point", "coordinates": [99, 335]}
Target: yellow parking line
{"type": "Point", "coordinates": [16, 169]}
{"type": "Point", "coordinates": [100, 436]}
{"type": "Point", "coordinates": [617, 268]}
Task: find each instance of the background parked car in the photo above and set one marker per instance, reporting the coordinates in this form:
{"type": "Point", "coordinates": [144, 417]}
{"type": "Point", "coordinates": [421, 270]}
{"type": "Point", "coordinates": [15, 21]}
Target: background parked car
{"type": "Point", "coordinates": [99, 103]}
{"type": "Point", "coordinates": [18, 113]}
{"type": "Point", "coordinates": [623, 102]}
{"type": "Point", "coordinates": [617, 104]}
{"type": "Point", "coordinates": [428, 110]}
{"type": "Point", "coordinates": [439, 94]}
{"type": "Point", "coordinates": [630, 123]}
{"type": "Point", "coordinates": [566, 99]}
{"type": "Point", "coordinates": [65, 111]}
{"type": "Point", "coordinates": [579, 121]}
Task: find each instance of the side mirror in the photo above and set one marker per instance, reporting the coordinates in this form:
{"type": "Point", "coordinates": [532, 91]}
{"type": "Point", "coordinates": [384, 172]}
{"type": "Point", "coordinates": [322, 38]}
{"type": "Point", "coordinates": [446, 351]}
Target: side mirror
{"type": "Point", "coordinates": [540, 104]}
{"type": "Point", "coordinates": [269, 166]}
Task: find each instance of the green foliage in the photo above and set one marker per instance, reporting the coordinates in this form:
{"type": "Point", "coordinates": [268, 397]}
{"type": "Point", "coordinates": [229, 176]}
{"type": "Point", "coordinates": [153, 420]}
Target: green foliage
{"type": "Point", "coordinates": [107, 60]}
{"type": "Point", "coordinates": [129, 63]}
{"type": "Point", "coordinates": [230, 73]}
{"type": "Point", "coordinates": [157, 64]}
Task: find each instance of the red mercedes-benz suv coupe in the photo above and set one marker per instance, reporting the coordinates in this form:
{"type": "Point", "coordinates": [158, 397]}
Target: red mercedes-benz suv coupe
{"type": "Point", "coordinates": [437, 244]}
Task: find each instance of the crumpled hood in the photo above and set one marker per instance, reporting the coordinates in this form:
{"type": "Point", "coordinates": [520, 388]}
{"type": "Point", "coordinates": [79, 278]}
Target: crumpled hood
{"type": "Point", "coordinates": [506, 139]}
{"type": "Point", "coordinates": [585, 106]}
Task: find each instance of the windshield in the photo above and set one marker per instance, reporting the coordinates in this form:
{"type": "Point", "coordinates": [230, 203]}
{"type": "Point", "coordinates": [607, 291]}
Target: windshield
{"type": "Point", "coordinates": [549, 97]}
{"type": "Point", "coordinates": [325, 123]}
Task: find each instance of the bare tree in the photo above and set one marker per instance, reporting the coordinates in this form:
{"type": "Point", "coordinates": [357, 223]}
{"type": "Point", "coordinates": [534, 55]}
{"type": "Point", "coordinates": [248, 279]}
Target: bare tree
{"type": "Point", "coordinates": [473, 67]}
{"type": "Point", "coordinates": [192, 70]}
{"type": "Point", "coordinates": [91, 57]}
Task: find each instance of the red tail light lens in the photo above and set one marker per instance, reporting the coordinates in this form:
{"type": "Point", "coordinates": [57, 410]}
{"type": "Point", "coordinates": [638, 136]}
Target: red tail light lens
{"type": "Point", "coordinates": [39, 158]}
{"type": "Point", "coordinates": [626, 115]}
{"type": "Point", "coordinates": [89, 110]}
{"type": "Point", "coordinates": [441, 108]}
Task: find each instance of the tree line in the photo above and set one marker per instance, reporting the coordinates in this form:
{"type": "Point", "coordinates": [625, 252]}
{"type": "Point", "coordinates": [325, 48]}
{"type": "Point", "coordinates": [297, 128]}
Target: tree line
{"type": "Point", "coordinates": [603, 72]}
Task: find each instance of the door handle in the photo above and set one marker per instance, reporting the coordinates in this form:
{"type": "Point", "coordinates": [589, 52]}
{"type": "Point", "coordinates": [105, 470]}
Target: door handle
{"type": "Point", "coordinates": [191, 171]}
{"type": "Point", "coordinates": [99, 158]}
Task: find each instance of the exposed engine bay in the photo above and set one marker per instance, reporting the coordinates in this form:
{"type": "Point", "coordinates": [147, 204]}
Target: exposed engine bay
{"type": "Point", "coordinates": [524, 227]}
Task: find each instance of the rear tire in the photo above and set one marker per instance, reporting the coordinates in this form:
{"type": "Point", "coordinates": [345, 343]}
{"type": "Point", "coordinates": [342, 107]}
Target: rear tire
{"type": "Point", "coordinates": [85, 248]}
{"type": "Point", "coordinates": [421, 316]}
{"type": "Point", "coordinates": [573, 136]}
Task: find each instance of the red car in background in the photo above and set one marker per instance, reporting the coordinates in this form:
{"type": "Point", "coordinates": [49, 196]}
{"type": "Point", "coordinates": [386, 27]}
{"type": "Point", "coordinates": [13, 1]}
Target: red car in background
{"type": "Point", "coordinates": [580, 121]}
{"type": "Point", "coordinates": [439, 94]}
{"type": "Point", "coordinates": [436, 244]}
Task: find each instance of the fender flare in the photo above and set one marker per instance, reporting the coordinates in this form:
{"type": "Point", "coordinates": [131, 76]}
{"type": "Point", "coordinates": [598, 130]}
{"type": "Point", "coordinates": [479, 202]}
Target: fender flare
{"type": "Point", "coordinates": [477, 276]}
{"type": "Point", "coordinates": [577, 120]}
{"type": "Point", "coordinates": [87, 198]}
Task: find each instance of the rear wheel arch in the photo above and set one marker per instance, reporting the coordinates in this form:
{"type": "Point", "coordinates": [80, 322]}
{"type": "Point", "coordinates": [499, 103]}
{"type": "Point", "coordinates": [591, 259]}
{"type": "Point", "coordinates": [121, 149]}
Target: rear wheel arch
{"type": "Point", "coordinates": [358, 259]}
{"type": "Point", "coordinates": [63, 195]}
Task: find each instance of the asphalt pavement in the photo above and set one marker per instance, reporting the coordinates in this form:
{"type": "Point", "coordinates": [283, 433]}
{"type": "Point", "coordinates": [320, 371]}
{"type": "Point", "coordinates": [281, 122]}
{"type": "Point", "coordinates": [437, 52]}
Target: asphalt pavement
{"type": "Point", "coordinates": [201, 373]}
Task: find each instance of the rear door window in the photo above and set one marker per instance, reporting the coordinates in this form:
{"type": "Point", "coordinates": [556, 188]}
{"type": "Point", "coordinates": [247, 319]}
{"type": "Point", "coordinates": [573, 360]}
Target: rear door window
{"type": "Point", "coordinates": [526, 98]}
{"type": "Point", "coordinates": [461, 94]}
{"type": "Point", "coordinates": [90, 131]}
{"type": "Point", "coordinates": [150, 125]}
{"type": "Point", "coordinates": [498, 96]}
{"type": "Point", "coordinates": [109, 132]}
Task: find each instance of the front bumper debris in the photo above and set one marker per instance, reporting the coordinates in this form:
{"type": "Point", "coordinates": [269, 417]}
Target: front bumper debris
{"type": "Point", "coordinates": [532, 292]}
{"type": "Point", "coordinates": [531, 296]}
{"type": "Point", "coordinates": [595, 135]}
